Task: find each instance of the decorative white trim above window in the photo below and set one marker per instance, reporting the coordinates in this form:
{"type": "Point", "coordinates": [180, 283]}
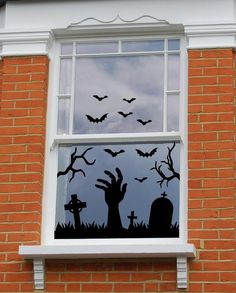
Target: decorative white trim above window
{"type": "Point", "coordinates": [144, 24]}
{"type": "Point", "coordinates": [25, 42]}
{"type": "Point", "coordinates": [22, 42]}
{"type": "Point", "coordinates": [211, 35]}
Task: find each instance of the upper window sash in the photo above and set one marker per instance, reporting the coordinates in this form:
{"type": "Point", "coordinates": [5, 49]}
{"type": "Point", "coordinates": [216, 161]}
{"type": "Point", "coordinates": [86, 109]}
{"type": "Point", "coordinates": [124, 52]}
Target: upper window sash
{"type": "Point", "coordinates": [75, 58]}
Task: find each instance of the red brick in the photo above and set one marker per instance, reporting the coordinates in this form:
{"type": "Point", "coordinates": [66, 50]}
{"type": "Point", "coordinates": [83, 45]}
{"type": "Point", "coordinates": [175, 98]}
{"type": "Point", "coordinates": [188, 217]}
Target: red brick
{"type": "Point", "coordinates": [19, 277]}
{"type": "Point", "coordinates": [151, 287]}
{"type": "Point", "coordinates": [97, 287]}
{"type": "Point", "coordinates": [143, 277]}
{"type": "Point", "coordinates": [10, 287]}
{"type": "Point", "coordinates": [203, 276]}
{"type": "Point", "coordinates": [220, 287]}
{"type": "Point", "coordinates": [202, 63]}
{"type": "Point", "coordinates": [221, 53]}
{"type": "Point", "coordinates": [194, 54]}
{"type": "Point", "coordinates": [74, 287]}
{"type": "Point", "coordinates": [17, 61]}
{"type": "Point", "coordinates": [119, 277]}
{"type": "Point", "coordinates": [33, 68]}
{"type": "Point", "coordinates": [128, 287]}
{"type": "Point", "coordinates": [55, 287]}
{"type": "Point", "coordinates": [215, 71]}
{"type": "Point", "coordinates": [168, 286]}
{"type": "Point", "coordinates": [195, 71]}
{"type": "Point", "coordinates": [225, 63]}
{"type": "Point", "coordinates": [76, 277]}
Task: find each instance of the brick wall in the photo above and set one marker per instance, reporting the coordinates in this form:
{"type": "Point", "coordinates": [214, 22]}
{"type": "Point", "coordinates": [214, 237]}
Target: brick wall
{"type": "Point", "coordinates": [211, 170]}
{"type": "Point", "coordinates": [0, 81]}
{"type": "Point", "coordinates": [211, 191]}
{"type": "Point", "coordinates": [22, 136]}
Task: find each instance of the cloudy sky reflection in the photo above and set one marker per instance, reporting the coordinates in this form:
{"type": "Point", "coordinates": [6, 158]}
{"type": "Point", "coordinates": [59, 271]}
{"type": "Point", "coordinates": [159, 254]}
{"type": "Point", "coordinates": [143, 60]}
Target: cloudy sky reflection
{"type": "Point", "coordinates": [139, 77]}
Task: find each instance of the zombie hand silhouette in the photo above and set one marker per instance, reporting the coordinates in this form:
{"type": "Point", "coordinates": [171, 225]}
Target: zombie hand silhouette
{"type": "Point", "coordinates": [114, 194]}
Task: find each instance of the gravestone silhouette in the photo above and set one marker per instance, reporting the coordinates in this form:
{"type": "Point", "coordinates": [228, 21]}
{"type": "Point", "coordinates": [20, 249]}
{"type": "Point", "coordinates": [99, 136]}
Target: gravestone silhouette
{"type": "Point", "coordinates": [75, 206]}
{"type": "Point", "coordinates": [131, 217]}
{"type": "Point", "coordinates": [161, 216]}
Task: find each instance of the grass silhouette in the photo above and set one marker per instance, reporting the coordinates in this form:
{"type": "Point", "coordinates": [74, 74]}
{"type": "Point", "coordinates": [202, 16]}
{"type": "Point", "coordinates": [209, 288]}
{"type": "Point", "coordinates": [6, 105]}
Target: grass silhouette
{"type": "Point", "coordinates": [93, 230]}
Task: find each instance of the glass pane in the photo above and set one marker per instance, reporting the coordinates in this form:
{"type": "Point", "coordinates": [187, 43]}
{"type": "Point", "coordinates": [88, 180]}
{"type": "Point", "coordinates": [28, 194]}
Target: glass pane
{"type": "Point", "coordinates": [143, 46]}
{"type": "Point", "coordinates": [67, 48]}
{"type": "Point", "coordinates": [94, 48]}
{"type": "Point", "coordinates": [173, 113]}
{"type": "Point", "coordinates": [65, 76]}
{"type": "Point", "coordinates": [173, 45]}
{"type": "Point", "coordinates": [63, 115]}
{"type": "Point", "coordinates": [119, 94]}
{"type": "Point", "coordinates": [147, 191]}
{"type": "Point", "coordinates": [173, 72]}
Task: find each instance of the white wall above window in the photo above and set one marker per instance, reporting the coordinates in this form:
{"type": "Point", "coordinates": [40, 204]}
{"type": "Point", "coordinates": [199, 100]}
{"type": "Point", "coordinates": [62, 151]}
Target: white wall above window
{"type": "Point", "coordinates": [59, 14]}
{"type": "Point", "coordinates": [23, 21]}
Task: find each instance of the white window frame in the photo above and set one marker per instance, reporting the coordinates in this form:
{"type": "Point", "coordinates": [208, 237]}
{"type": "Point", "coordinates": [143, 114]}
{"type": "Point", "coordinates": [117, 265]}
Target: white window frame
{"type": "Point", "coordinates": [110, 248]}
{"type": "Point", "coordinates": [55, 139]}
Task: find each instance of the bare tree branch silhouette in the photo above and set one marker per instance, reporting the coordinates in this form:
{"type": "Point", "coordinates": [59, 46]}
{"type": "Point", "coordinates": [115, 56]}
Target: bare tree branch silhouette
{"type": "Point", "coordinates": [170, 164]}
{"type": "Point", "coordinates": [73, 158]}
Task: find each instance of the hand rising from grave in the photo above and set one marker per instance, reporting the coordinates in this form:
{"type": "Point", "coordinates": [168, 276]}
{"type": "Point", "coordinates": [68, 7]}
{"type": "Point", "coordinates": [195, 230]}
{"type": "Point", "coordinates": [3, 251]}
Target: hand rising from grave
{"type": "Point", "coordinates": [114, 190]}
{"type": "Point", "coordinates": [114, 194]}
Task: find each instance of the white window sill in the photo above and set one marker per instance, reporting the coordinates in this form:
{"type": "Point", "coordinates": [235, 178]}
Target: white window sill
{"type": "Point", "coordinates": [39, 253]}
{"type": "Point", "coordinates": [106, 251]}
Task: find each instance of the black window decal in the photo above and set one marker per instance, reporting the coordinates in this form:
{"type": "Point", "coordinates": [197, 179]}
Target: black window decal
{"type": "Point", "coordinates": [113, 191]}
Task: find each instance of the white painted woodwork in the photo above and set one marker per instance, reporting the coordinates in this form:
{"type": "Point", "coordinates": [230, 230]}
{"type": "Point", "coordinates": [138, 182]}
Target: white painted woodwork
{"type": "Point", "coordinates": [39, 253]}
{"type": "Point", "coordinates": [182, 272]}
{"type": "Point", "coordinates": [39, 273]}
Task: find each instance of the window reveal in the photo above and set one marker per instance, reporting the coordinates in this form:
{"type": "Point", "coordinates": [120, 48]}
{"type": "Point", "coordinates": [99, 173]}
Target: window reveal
{"type": "Point", "coordinates": [126, 189]}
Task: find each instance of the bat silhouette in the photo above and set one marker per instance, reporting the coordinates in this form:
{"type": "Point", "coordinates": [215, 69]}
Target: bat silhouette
{"type": "Point", "coordinates": [140, 179]}
{"type": "Point", "coordinates": [125, 114]}
{"type": "Point", "coordinates": [146, 154]}
{"type": "Point", "coordinates": [100, 98]}
{"type": "Point", "coordinates": [129, 101]}
{"type": "Point", "coordinates": [113, 154]}
{"type": "Point", "coordinates": [97, 120]}
{"type": "Point", "coordinates": [144, 122]}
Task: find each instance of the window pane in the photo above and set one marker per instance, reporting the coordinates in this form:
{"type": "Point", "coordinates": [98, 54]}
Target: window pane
{"type": "Point", "coordinates": [173, 73]}
{"type": "Point", "coordinates": [119, 94]}
{"type": "Point", "coordinates": [173, 45]}
{"type": "Point", "coordinates": [67, 49]}
{"type": "Point", "coordinates": [63, 115]}
{"type": "Point", "coordinates": [65, 76]}
{"type": "Point", "coordinates": [94, 48]}
{"type": "Point", "coordinates": [143, 46]}
{"type": "Point", "coordinates": [173, 113]}
{"type": "Point", "coordinates": [146, 204]}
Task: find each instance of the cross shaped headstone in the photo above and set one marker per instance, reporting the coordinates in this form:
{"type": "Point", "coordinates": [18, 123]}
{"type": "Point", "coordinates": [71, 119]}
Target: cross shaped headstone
{"type": "Point", "coordinates": [132, 217]}
{"type": "Point", "coordinates": [75, 206]}
{"type": "Point", "coordinates": [164, 194]}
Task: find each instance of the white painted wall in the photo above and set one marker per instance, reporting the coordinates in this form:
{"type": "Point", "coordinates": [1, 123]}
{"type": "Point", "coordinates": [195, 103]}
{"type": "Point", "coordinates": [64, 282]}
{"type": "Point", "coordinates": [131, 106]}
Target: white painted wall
{"type": "Point", "coordinates": [59, 14]}
{"type": "Point", "coordinates": [29, 27]}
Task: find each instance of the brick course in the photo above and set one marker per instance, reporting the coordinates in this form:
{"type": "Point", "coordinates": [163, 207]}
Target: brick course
{"type": "Point", "coordinates": [211, 127]}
